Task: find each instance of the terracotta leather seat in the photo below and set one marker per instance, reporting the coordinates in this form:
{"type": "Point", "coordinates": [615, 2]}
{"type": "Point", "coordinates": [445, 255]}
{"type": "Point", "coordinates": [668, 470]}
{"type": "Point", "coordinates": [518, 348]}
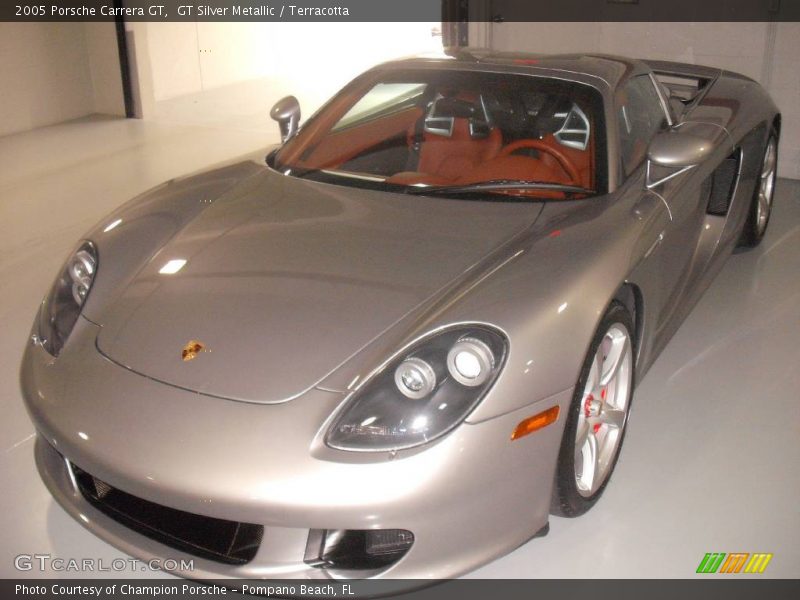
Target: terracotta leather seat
{"type": "Point", "coordinates": [456, 137]}
{"type": "Point", "coordinates": [453, 156]}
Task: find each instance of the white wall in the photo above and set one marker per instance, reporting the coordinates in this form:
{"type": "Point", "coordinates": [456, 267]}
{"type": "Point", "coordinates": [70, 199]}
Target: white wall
{"type": "Point", "coordinates": [101, 44]}
{"type": "Point", "coordinates": [767, 52]}
{"type": "Point", "coordinates": [48, 76]}
{"type": "Point", "coordinates": [44, 70]}
{"type": "Point", "coordinates": [233, 72]}
{"type": "Point", "coordinates": [784, 86]}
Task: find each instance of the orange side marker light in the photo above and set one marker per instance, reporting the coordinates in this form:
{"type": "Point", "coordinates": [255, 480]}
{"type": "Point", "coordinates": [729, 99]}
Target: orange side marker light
{"type": "Point", "coordinates": [536, 422]}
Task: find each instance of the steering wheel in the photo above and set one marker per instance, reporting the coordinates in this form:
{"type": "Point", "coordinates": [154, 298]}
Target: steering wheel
{"type": "Point", "coordinates": [563, 160]}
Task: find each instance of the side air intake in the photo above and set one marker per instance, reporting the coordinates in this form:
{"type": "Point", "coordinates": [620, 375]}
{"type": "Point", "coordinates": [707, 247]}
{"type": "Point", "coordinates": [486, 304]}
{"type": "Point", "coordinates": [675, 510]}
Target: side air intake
{"type": "Point", "coordinates": [722, 184]}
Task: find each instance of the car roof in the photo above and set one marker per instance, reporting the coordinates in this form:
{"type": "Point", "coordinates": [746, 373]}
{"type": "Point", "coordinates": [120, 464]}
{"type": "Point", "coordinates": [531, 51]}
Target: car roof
{"type": "Point", "coordinates": [609, 68]}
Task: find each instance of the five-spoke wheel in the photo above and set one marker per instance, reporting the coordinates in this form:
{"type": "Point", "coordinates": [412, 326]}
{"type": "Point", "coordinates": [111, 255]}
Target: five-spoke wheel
{"type": "Point", "coordinates": [766, 186]}
{"type": "Point", "coordinates": [597, 416]}
{"type": "Point", "coordinates": [604, 410]}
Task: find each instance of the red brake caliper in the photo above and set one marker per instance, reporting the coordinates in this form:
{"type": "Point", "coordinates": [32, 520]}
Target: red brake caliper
{"type": "Point", "coordinates": [587, 406]}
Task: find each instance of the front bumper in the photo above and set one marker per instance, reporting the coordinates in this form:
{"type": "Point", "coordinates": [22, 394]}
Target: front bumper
{"type": "Point", "coordinates": [468, 498]}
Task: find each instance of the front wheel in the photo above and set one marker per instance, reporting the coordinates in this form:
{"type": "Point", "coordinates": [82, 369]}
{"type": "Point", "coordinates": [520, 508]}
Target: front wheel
{"type": "Point", "coordinates": [597, 416]}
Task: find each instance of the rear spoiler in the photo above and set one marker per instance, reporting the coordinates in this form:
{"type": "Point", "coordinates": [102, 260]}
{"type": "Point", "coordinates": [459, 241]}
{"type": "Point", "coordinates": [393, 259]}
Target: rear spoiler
{"type": "Point", "coordinates": [686, 83]}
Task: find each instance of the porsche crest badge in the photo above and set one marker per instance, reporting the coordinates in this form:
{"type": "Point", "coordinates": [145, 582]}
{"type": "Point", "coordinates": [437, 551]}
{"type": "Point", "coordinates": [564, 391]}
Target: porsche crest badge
{"type": "Point", "coordinates": [192, 349]}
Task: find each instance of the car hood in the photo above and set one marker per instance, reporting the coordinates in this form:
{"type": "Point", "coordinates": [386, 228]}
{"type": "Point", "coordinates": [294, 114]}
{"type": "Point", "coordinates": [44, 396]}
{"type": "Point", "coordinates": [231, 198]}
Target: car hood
{"type": "Point", "coordinates": [281, 280]}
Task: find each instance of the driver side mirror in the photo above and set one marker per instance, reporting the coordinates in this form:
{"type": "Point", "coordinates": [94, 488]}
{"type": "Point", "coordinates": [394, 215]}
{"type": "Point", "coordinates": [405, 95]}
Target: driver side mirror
{"type": "Point", "coordinates": [679, 149]}
{"type": "Point", "coordinates": [286, 112]}
{"type": "Point", "coordinates": [674, 152]}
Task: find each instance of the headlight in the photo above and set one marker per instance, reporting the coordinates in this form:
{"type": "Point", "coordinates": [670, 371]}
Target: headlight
{"type": "Point", "coordinates": [61, 307]}
{"type": "Point", "coordinates": [422, 394]}
{"type": "Point", "coordinates": [470, 362]}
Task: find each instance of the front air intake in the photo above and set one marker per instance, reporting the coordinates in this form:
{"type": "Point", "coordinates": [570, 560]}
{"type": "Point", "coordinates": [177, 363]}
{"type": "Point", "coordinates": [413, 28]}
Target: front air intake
{"type": "Point", "coordinates": [223, 541]}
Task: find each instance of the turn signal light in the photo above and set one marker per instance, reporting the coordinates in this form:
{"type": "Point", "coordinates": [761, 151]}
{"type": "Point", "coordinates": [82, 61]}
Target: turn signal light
{"type": "Point", "coordinates": [536, 422]}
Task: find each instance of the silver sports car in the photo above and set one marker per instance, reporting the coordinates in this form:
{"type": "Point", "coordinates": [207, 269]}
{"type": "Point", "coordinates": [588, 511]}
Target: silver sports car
{"type": "Point", "coordinates": [398, 343]}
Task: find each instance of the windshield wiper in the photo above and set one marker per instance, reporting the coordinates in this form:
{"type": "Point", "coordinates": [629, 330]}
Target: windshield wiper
{"type": "Point", "coordinates": [498, 185]}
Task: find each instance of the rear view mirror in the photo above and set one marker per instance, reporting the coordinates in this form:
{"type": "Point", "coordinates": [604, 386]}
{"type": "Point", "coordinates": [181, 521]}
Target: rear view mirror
{"type": "Point", "coordinates": [286, 112]}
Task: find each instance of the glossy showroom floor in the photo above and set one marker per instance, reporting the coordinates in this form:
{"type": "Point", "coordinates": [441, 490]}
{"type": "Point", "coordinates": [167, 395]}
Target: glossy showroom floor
{"type": "Point", "coordinates": [712, 457]}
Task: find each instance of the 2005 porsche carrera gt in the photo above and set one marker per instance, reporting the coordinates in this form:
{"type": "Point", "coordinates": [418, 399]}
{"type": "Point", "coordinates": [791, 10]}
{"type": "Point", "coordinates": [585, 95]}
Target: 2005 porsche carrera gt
{"type": "Point", "coordinates": [398, 344]}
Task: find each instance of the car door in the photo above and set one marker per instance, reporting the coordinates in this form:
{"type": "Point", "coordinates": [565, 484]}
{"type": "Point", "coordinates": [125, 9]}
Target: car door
{"type": "Point", "coordinates": [641, 114]}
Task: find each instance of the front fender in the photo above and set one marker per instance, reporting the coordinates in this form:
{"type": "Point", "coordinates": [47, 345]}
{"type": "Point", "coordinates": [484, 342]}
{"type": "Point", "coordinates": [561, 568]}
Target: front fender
{"type": "Point", "coordinates": [547, 289]}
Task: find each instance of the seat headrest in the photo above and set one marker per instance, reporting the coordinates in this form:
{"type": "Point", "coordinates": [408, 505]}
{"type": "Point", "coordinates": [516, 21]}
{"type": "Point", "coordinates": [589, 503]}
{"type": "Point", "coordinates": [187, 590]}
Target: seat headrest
{"type": "Point", "coordinates": [455, 107]}
{"type": "Point", "coordinates": [443, 112]}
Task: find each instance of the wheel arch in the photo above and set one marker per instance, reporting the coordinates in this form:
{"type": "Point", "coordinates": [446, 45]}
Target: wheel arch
{"type": "Point", "coordinates": [630, 296]}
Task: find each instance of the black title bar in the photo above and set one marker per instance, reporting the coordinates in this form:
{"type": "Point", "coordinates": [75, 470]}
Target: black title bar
{"type": "Point", "coordinates": [711, 587]}
{"type": "Point", "coordinates": [498, 11]}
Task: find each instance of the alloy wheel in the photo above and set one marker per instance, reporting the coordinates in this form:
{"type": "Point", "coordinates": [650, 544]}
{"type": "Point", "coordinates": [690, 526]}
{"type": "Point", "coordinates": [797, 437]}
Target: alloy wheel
{"type": "Point", "coordinates": [766, 186]}
{"type": "Point", "coordinates": [603, 410]}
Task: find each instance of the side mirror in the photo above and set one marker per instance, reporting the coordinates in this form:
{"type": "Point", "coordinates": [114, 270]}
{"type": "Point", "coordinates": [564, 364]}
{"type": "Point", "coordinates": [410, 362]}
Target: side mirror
{"type": "Point", "coordinates": [286, 112]}
{"type": "Point", "coordinates": [679, 149]}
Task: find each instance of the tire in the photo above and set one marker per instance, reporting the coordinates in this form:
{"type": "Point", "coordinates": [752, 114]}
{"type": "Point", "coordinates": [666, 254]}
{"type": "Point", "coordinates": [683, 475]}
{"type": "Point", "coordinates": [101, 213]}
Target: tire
{"type": "Point", "coordinates": [598, 413]}
{"type": "Point", "coordinates": [761, 206]}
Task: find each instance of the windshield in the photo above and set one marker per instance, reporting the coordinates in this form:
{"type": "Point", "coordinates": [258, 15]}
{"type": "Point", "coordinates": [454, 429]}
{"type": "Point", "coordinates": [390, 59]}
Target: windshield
{"type": "Point", "coordinates": [460, 131]}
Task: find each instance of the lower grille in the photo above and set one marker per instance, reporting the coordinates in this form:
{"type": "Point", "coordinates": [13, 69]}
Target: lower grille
{"type": "Point", "coordinates": [220, 540]}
